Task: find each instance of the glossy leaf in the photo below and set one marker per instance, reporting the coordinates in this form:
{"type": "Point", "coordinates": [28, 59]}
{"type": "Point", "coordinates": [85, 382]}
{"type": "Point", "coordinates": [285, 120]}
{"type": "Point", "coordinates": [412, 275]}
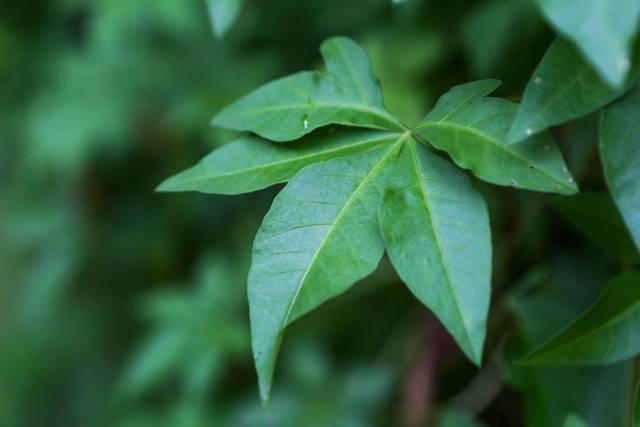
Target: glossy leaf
{"type": "Point", "coordinates": [620, 154]}
{"type": "Point", "coordinates": [609, 331]}
{"type": "Point", "coordinates": [223, 14]}
{"type": "Point", "coordinates": [562, 88]}
{"type": "Point", "coordinates": [290, 107]}
{"type": "Point", "coordinates": [596, 216]}
{"type": "Point", "coordinates": [319, 237]}
{"type": "Point", "coordinates": [436, 231]}
{"type": "Point", "coordinates": [251, 163]}
{"type": "Point", "coordinates": [472, 129]}
{"type": "Point", "coordinates": [602, 29]}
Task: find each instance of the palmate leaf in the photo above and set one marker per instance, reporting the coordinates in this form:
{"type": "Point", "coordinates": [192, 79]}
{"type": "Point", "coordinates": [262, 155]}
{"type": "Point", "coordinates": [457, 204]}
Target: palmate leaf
{"type": "Point", "coordinates": [602, 29]}
{"type": "Point", "coordinates": [562, 88]}
{"type": "Point", "coordinates": [472, 128]}
{"type": "Point", "coordinates": [223, 13]}
{"type": "Point", "coordinates": [620, 154]}
{"type": "Point", "coordinates": [328, 227]}
{"type": "Point", "coordinates": [436, 230]}
{"type": "Point", "coordinates": [252, 163]}
{"type": "Point", "coordinates": [608, 332]}
{"type": "Point", "coordinates": [290, 107]}
{"type": "Point", "coordinates": [319, 237]}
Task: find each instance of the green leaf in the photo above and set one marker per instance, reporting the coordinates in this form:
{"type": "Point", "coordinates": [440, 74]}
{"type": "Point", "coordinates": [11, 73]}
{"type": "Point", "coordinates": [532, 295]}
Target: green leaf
{"type": "Point", "coordinates": [562, 88]}
{"type": "Point", "coordinates": [452, 417]}
{"type": "Point", "coordinates": [596, 216]}
{"type": "Point", "coordinates": [290, 107]}
{"type": "Point", "coordinates": [223, 13]}
{"type": "Point", "coordinates": [472, 129]}
{"type": "Point", "coordinates": [320, 236]}
{"type": "Point", "coordinates": [574, 421]}
{"type": "Point", "coordinates": [251, 163]}
{"type": "Point", "coordinates": [436, 231]}
{"type": "Point", "coordinates": [620, 154]}
{"type": "Point", "coordinates": [608, 332]}
{"type": "Point", "coordinates": [636, 411]}
{"type": "Point", "coordinates": [602, 29]}
{"type": "Point", "coordinates": [541, 304]}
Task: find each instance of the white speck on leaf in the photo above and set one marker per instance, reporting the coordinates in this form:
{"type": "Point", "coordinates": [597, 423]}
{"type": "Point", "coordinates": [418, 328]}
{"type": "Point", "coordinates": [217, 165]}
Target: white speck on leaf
{"type": "Point", "coordinates": [306, 124]}
{"type": "Point", "coordinates": [537, 80]}
{"type": "Point", "coordinates": [623, 64]}
{"type": "Point", "coordinates": [529, 132]}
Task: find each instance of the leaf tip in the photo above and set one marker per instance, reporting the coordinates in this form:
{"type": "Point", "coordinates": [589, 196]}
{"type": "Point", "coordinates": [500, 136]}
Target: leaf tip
{"type": "Point", "coordinates": [494, 83]}
{"type": "Point", "coordinates": [165, 186]}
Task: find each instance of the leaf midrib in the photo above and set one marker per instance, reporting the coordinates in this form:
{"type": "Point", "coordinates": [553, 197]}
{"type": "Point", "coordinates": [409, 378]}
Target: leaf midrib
{"type": "Point", "coordinates": [372, 173]}
{"type": "Point", "coordinates": [497, 145]}
{"type": "Point", "coordinates": [416, 166]}
{"type": "Point", "coordinates": [373, 142]}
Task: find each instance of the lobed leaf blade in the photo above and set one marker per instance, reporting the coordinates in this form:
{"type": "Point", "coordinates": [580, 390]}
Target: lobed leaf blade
{"type": "Point", "coordinates": [437, 235]}
{"type": "Point", "coordinates": [288, 108]}
{"type": "Point", "coordinates": [472, 129]}
{"type": "Point", "coordinates": [319, 237]}
{"type": "Point", "coordinates": [250, 163]}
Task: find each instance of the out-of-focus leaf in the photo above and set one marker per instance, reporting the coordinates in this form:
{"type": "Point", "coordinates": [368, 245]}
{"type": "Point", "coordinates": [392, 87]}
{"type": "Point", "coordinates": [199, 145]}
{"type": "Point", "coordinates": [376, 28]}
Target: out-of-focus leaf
{"type": "Point", "coordinates": [250, 163]}
{"type": "Point", "coordinates": [288, 108]}
{"type": "Point", "coordinates": [472, 129]}
{"type": "Point", "coordinates": [574, 421]}
{"type": "Point", "coordinates": [223, 13]}
{"type": "Point", "coordinates": [597, 217]}
{"type": "Point", "coordinates": [597, 394]}
{"type": "Point", "coordinates": [636, 410]}
{"type": "Point", "coordinates": [620, 154]}
{"type": "Point", "coordinates": [456, 418]}
{"type": "Point", "coordinates": [562, 88]}
{"type": "Point", "coordinates": [319, 237]}
{"type": "Point", "coordinates": [608, 332]}
{"type": "Point", "coordinates": [494, 30]}
{"type": "Point", "coordinates": [405, 94]}
{"type": "Point", "coordinates": [436, 231]}
{"type": "Point", "coordinates": [154, 359]}
{"type": "Point", "coordinates": [126, 25]}
{"type": "Point", "coordinates": [316, 393]}
{"type": "Point", "coordinates": [78, 113]}
{"type": "Point", "coordinates": [182, 342]}
{"type": "Point", "coordinates": [602, 29]}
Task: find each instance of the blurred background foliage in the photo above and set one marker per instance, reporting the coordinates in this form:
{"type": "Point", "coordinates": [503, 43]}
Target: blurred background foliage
{"type": "Point", "coordinates": [122, 307]}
